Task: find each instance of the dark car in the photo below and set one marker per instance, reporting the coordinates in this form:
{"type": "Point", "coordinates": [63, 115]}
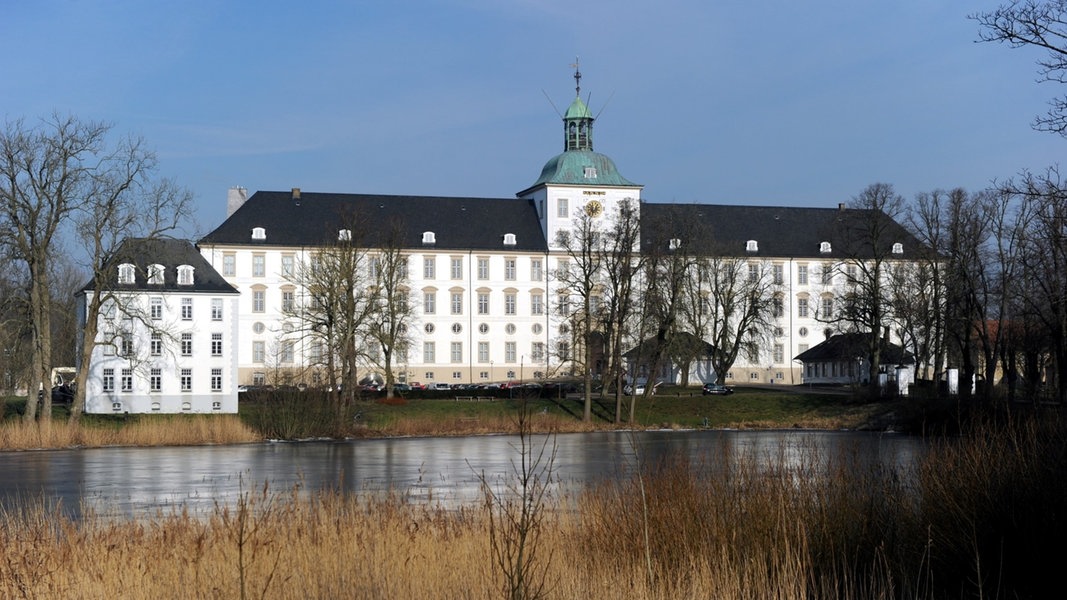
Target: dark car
{"type": "Point", "coordinates": [716, 389]}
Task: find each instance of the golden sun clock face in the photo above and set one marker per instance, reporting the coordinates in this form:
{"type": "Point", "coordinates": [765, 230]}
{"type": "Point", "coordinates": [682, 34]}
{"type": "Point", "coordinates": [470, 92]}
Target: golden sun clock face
{"type": "Point", "coordinates": [594, 208]}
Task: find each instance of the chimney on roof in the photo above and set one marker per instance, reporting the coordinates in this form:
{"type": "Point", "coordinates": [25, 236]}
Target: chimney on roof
{"type": "Point", "coordinates": [235, 197]}
{"type": "Point", "coordinates": [841, 206]}
{"type": "Point", "coordinates": [296, 194]}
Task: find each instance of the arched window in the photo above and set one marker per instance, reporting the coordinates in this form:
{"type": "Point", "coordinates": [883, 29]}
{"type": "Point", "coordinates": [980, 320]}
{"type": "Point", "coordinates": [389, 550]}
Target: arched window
{"type": "Point", "coordinates": [185, 275]}
{"type": "Point", "coordinates": [898, 248]}
{"type": "Point", "coordinates": [509, 239]}
{"type": "Point", "coordinates": [752, 246]}
{"type": "Point", "coordinates": [155, 274]}
{"type": "Point", "coordinates": [824, 247]}
{"type": "Point", "coordinates": [127, 273]}
{"type": "Point", "coordinates": [258, 233]}
{"type": "Point", "coordinates": [428, 237]}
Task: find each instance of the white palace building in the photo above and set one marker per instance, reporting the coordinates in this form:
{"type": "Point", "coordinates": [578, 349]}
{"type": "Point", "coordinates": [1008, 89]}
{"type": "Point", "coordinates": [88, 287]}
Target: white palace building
{"type": "Point", "coordinates": [481, 270]}
{"type": "Point", "coordinates": [481, 274]}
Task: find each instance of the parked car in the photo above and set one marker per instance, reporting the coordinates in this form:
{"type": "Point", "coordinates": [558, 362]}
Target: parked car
{"type": "Point", "coordinates": [716, 389]}
{"type": "Point", "coordinates": [638, 389]}
{"type": "Point", "coordinates": [440, 386]}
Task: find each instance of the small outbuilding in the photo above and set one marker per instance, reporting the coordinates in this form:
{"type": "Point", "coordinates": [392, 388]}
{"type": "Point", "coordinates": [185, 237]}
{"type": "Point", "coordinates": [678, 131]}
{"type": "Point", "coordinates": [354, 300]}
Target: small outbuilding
{"type": "Point", "coordinates": [844, 359]}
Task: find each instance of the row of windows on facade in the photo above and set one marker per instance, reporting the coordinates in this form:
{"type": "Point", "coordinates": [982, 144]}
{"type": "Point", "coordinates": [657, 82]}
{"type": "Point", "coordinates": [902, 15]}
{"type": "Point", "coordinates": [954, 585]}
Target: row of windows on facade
{"type": "Point", "coordinates": [155, 380]}
{"type": "Point", "coordinates": [482, 269]}
{"type": "Point", "coordinates": [286, 352]}
{"type": "Point", "coordinates": [155, 274]}
{"type": "Point", "coordinates": [123, 344]}
{"type": "Point", "coordinates": [374, 265]}
{"type": "Point", "coordinates": [156, 306]}
{"type": "Point", "coordinates": [564, 304]}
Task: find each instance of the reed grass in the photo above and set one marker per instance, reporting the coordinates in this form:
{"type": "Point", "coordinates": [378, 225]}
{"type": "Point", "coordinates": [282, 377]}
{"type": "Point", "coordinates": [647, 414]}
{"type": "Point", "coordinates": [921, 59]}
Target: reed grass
{"type": "Point", "coordinates": [176, 430]}
{"type": "Point", "coordinates": [980, 516]}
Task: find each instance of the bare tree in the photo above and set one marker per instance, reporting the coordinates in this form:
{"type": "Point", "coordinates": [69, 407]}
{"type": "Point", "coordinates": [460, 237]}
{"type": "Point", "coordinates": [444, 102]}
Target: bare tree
{"type": "Point", "coordinates": [390, 304]}
{"type": "Point", "coordinates": [66, 172]}
{"type": "Point", "coordinates": [1039, 24]}
{"type": "Point", "coordinates": [127, 210]}
{"type": "Point", "coordinates": [334, 310]}
{"type": "Point", "coordinates": [582, 279]}
{"type": "Point", "coordinates": [865, 233]}
{"type": "Point", "coordinates": [621, 259]}
{"type": "Point", "coordinates": [735, 303]}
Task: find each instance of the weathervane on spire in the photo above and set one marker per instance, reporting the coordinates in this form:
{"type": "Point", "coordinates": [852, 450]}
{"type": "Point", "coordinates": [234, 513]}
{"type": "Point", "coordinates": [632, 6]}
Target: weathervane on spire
{"type": "Point", "coordinates": [577, 79]}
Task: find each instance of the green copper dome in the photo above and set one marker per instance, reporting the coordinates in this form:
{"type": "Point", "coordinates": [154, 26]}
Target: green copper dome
{"type": "Point", "coordinates": [581, 167]}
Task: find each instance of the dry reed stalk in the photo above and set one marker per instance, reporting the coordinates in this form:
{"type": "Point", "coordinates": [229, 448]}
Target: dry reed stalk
{"type": "Point", "coordinates": [177, 431]}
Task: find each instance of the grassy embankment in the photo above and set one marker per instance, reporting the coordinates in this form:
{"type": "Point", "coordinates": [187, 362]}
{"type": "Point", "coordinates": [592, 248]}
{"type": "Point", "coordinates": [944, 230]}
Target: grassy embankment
{"type": "Point", "coordinates": [979, 516]}
{"type": "Point", "coordinates": [297, 415]}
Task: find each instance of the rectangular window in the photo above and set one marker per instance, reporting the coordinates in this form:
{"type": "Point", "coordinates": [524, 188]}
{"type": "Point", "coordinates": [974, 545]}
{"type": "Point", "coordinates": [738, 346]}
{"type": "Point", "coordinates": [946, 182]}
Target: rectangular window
{"type": "Point", "coordinates": [187, 309]}
{"type": "Point", "coordinates": [127, 380]}
{"type": "Point", "coordinates": [229, 265]}
{"type": "Point", "coordinates": [777, 308]}
{"type": "Point", "coordinates": [288, 265]}
{"type": "Point", "coordinates": [509, 269]}
{"type": "Point", "coordinates": [288, 300]}
{"type": "Point", "coordinates": [563, 268]}
{"type": "Point", "coordinates": [483, 304]}
{"type": "Point", "coordinates": [852, 273]}
{"type": "Point", "coordinates": [827, 274]}
{"type": "Point", "coordinates": [187, 344]}
{"type": "Point", "coordinates": [779, 354]}
{"type": "Point", "coordinates": [156, 309]}
{"type": "Point", "coordinates": [802, 307]}
{"type": "Point", "coordinates": [429, 267]}
{"type": "Point", "coordinates": [779, 274]}
{"type": "Point", "coordinates": [537, 351]}
{"type": "Point", "coordinates": [563, 350]}
{"type": "Point", "coordinates": [802, 274]}
{"type": "Point", "coordinates": [109, 380]}
{"type": "Point", "coordinates": [457, 303]}
{"type": "Point", "coordinates": [429, 350]}
{"type": "Point", "coordinates": [216, 309]}
{"type": "Point", "coordinates": [216, 344]}
{"type": "Point", "coordinates": [509, 352]}
{"type": "Point", "coordinates": [564, 301]}
{"type": "Point", "coordinates": [287, 353]}
{"type": "Point", "coordinates": [483, 268]}
{"type": "Point", "coordinates": [155, 380]}
{"type": "Point", "coordinates": [127, 344]}
{"type": "Point", "coordinates": [156, 344]}
{"type": "Point", "coordinates": [827, 309]}
{"type": "Point", "coordinates": [753, 272]}
{"type": "Point", "coordinates": [509, 304]}
{"type": "Point", "coordinates": [536, 269]}
{"type": "Point", "coordinates": [537, 304]}
{"type": "Point", "coordinates": [259, 352]}
{"type": "Point", "coordinates": [483, 352]}
{"type": "Point", "coordinates": [259, 301]}
{"type": "Point", "coordinates": [457, 267]}
{"type": "Point", "coordinates": [457, 352]}
{"type": "Point", "coordinates": [216, 380]}
{"type": "Point", "coordinates": [429, 302]}
{"type": "Point", "coordinates": [259, 265]}
{"type": "Point", "coordinates": [187, 380]}
{"type": "Point", "coordinates": [563, 209]}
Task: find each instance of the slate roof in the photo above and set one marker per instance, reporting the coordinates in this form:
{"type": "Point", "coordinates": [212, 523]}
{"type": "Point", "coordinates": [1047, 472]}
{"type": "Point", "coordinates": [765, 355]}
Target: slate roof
{"type": "Point", "coordinates": [848, 346]}
{"type": "Point", "coordinates": [787, 232]}
{"type": "Point", "coordinates": [170, 253]}
{"type": "Point", "coordinates": [314, 219]}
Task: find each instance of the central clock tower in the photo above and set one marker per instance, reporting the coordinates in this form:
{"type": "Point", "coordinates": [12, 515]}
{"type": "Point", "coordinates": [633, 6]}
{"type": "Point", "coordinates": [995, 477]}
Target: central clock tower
{"type": "Point", "coordinates": [578, 183]}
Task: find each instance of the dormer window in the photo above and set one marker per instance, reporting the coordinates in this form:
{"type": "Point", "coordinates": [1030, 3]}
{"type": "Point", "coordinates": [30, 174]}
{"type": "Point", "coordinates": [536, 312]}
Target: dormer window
{"type": "Point", "coordinates": [429, 237]}
{"type": "Point", "coordinates": [258, 233]}
{"type": "Point", "coordinates": [751, 246]}
{"type": "Point", "coordinates": [185, 275]}
{"type": "Point", "coordinates": [898, 248]}
{"type": "Point", "coordinates": [509, 239]}
{"type": "Point", "coordinates": [155, 274]}
{"type": "Point", "coordinates": [344, 235]}
{"type": "Point", "coordinates": [127, 273]}
{"type": "Point", "coordinates": [824, 247]}
{"type": "Point", "coordinates": [590, 172]}
{"type": "Point", "coordinates": [674, 244]}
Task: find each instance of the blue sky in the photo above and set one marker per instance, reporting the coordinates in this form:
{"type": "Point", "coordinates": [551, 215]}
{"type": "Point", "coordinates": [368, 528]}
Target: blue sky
{"type": "Point", "coordinates": [772, 102]}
